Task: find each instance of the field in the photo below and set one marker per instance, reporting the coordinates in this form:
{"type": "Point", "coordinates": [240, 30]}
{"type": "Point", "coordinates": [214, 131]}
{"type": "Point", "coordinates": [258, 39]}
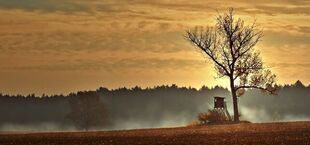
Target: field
{"type": "Point", "coordinates": [293, 133]}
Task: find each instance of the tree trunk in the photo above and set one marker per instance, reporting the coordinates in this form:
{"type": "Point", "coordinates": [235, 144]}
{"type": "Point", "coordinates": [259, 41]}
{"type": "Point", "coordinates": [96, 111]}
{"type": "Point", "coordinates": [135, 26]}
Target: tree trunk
{"type": "Point", "coordinates": [235, 100]}
{"type": "Point", "coordinates": [235, 104]}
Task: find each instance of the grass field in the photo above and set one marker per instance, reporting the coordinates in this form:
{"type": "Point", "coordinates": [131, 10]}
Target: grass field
{"type": "Point", "coordinates": [293, 133]}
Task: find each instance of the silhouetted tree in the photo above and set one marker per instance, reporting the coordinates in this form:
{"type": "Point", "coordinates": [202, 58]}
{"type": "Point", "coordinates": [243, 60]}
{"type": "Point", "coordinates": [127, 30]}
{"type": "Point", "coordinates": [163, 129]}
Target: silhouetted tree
{"type": "Point", "coordinates": [230, 45]}
{"type": "Point", "coordinates": [87, 110]}
{"type": "Point", "coordinates": [299, 84]}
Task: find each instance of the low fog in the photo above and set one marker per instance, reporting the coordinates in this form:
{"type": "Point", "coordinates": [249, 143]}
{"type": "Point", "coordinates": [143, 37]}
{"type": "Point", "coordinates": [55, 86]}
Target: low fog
{"type": "Point", "coordinates": [290, 104]}
{"type": "Point", "coordinates": [163, 106]}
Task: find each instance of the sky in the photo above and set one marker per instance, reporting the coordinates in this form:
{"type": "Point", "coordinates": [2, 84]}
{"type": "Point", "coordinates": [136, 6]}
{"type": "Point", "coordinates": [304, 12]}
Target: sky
{"type": "Point", "coordinates": [63, 46]}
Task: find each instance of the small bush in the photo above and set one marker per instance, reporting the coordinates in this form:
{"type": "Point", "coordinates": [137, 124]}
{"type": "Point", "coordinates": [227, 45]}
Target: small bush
{"type": "Point", "coordinates": [203, 118]}
{"type": "Point", "coordinates": [213, 117]}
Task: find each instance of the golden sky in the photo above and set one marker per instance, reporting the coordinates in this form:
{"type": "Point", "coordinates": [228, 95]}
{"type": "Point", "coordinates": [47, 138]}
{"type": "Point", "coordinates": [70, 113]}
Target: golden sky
{"type": "Point", "coordinates": [61, 46]}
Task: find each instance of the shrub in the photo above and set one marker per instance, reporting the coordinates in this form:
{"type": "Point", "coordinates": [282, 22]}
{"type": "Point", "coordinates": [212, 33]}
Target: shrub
{"type": "Point", "coordinates": [213, 117]}
{"type": "Point", "coordinates": [203, 118]}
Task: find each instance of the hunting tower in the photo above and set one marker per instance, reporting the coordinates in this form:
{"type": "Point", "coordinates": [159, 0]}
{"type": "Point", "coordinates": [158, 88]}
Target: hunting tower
{"type": "Point", "coordinates": [220, 105]}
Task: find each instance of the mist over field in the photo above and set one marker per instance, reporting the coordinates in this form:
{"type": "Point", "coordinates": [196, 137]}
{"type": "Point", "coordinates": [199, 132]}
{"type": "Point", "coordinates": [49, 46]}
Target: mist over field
{"type": "Point", "coordinates": [162, 106]}
{"type": "Point", "coordinates": [290, 104]}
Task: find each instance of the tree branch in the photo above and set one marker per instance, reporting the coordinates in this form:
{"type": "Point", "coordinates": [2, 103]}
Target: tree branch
{"type": "Point", "coordinates": [256, 87]}
{"type": "Point", "coordinates": [205, 46]}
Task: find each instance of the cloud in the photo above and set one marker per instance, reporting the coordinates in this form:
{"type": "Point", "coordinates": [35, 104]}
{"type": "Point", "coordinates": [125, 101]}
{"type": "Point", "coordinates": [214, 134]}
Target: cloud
{"type": "Point", "coordinates": [304, 29]}
{"type": "Point", "coordinates": [304, 65]}
{"type": "Point", "coordinates": [282, 36]}
{"type": "Point", "coordinates": [144, 7]}
{"type": "Point", "coordinates": [114, 65]}
{"type": "Point", "coordinates": [274, 10]}
{"type": "Point", "coordinates": [138, 35]}
{"type": "Point", "coordinates": [68, 42]}
{"type": "Point", "coordinates": [43, 5]}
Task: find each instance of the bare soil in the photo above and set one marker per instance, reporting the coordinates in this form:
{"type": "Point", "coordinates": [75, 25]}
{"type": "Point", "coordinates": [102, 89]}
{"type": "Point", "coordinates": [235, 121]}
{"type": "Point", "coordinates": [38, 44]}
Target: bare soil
{"type": "Point", "coordinates": [293, 133]}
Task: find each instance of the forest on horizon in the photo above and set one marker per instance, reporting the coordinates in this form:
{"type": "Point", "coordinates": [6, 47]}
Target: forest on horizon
{"type": "Point", "coordinates": [160, 106]}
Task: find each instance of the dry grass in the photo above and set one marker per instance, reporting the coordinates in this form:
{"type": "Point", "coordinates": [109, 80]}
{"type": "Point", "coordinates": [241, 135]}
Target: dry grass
{"type": "Point", "coordinates": [294, 133]}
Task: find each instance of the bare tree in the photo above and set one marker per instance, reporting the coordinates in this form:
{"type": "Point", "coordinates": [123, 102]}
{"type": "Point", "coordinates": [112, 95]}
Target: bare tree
{"type": "Point", "coordinates": [230, 46]}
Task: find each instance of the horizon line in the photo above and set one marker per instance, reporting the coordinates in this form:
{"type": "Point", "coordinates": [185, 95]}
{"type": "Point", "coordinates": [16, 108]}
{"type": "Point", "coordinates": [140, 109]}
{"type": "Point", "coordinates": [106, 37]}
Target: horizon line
{"type": "Point", "coordinates": [132, 87]}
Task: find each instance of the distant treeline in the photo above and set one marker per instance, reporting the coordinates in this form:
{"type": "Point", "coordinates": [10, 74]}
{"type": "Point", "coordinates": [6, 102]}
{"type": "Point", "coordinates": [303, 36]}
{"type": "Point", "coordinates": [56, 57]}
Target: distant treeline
{"type": "Point", "coordinates": [161, 106]}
